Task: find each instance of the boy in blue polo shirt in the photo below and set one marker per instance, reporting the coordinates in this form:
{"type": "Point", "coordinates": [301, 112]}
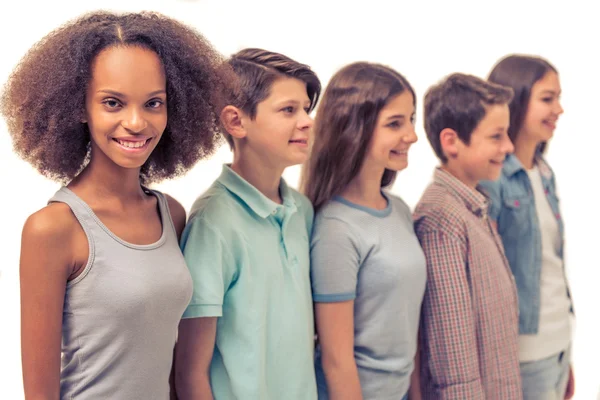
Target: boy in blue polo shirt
{"type": "Point", "coordinates": [248, 331]}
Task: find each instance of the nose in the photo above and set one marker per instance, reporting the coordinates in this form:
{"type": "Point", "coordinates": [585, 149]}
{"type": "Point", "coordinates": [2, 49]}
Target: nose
{"type": "Point", "coordinates": [134, 121]}
{"type": "Point", "coordinates": [558, 108]}
{"type": "Point", "coordinates": [305, 121]}
{"type": "Point", "coordinates": [508, 146]}
{"type": "Point", "coordinates": [411, 137]}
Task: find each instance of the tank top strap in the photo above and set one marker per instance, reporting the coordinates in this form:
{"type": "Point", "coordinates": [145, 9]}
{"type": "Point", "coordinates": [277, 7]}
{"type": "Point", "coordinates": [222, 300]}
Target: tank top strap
{"type": "Point", "coordinates": [165, 214]}
{"type": "Point", "coordinates": [82, 211]}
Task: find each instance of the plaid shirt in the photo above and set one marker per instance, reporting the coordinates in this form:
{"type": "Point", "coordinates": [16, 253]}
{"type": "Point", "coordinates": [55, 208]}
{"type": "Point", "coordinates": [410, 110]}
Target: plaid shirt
{"type": "Point", "coordinates": [469, 322]}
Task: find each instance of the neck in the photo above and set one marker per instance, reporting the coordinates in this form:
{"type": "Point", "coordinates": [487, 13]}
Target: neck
{"type": "Point", "coordinates": [365, 188]}
{"type": "Point", "coordinates": [255, 171]}
{"type": "Point", "coordinates": [103, 179]}
{"type": "Point", "coordinates": [460, 175]}
{"type": "Point", "coordinates": [525, 151]}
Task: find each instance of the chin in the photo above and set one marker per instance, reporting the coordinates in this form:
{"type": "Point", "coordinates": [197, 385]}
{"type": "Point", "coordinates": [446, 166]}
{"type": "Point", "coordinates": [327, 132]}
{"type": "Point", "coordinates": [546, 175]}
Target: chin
{"type": "Point", "coordinates": [397, 166]}
{"type": "Point", "coordinates": [296, 161]}
{"type": "Point", "coordinates": [493, 175]}
{"type": "Point", "coordinates": [129, 164]}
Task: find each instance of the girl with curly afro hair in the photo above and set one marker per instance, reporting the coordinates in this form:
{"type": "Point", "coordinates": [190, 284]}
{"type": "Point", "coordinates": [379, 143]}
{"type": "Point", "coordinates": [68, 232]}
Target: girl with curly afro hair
{"type": "Point", "coordinates": [105, 105]}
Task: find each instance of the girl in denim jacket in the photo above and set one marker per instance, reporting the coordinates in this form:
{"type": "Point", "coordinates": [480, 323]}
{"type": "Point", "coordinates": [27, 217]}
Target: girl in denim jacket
{"type": "Point", "coordinates": [525, 207]}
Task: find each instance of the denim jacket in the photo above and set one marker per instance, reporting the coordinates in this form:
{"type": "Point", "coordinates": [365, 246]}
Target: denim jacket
{"type": "Point", "coordinates": [512, 206]}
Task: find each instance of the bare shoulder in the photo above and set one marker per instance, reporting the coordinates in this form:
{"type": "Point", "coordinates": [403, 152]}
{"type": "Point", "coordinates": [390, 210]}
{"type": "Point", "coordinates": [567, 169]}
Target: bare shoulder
{"type": "Point", "coordinates": [178, 214]}
{"type": "Point", "coordinates": [50, 237]}
{"type": "Point", "coordinates": [53, 223]}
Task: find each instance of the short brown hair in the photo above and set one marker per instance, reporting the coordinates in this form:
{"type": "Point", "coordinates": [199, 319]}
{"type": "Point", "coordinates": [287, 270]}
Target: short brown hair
{"type": "Point", "coordinates": [344, 127]}
{"type": "Point", "coordinates": [44, 99]}
{"type": "Point", "coordinates": [257, 69]}
{"type": "Point", "coordinates": [459, 102]}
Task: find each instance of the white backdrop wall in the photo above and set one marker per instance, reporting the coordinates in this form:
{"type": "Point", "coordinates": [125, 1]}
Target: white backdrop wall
{"type": "Point", "coordinates": [424, 40]}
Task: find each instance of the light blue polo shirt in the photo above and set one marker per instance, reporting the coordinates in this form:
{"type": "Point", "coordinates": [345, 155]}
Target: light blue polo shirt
{"type": "Point", "coordinates": [249, 261]}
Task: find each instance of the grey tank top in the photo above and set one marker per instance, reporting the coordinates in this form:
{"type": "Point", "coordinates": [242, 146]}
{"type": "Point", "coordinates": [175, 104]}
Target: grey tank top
{"type": "Point", "coordinates": [121, 313]}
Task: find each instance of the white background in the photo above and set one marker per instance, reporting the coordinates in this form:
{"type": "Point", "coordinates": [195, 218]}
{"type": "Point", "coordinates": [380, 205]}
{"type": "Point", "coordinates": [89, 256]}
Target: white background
{"type": "Point", "coordinates": [424, 40]}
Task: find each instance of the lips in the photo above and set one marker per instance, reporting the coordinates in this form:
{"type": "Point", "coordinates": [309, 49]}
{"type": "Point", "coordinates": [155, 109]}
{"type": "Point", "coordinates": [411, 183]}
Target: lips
{"type": "Point", "coordinates": [299, 141]}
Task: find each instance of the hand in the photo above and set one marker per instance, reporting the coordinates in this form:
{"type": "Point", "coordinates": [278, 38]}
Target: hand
{"type": "Point", "coordinates": [570, 385]}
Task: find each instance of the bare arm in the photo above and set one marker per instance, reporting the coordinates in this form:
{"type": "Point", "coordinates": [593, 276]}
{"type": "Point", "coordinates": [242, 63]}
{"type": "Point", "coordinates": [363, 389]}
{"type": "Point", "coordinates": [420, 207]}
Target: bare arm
{"type": "Point", "coordinates": [335, 328]}
{"type": "Point", "coordinates": [414, 392]}
{"type": "Point", "coordinates": [193, 354]}
{"type": "Point", "coordinates": [178, 217]}
{"type": "Point", "coordinates": [47, 261]}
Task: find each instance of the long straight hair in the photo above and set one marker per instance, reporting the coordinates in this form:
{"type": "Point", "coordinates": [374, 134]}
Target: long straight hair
{"type": "Point", "coordinates": [344, 127]}
{"type": "Point", "coordinates": [520, 72]}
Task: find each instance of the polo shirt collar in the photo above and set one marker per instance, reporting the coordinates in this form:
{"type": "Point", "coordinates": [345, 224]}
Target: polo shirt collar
{"type": "Point", "coordinates": [260, 204]}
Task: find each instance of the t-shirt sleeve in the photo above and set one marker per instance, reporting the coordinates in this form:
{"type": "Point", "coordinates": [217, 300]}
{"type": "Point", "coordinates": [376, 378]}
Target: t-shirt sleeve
{"type": "Point", "coordinates": [308, 214]}
{"type": "Point", "coordinates": [335, 261]}
{"type": "Point", "coordinates": [211, 266]}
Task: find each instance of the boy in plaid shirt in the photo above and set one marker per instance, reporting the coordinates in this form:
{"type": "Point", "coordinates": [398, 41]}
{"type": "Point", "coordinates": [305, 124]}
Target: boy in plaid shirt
{"type": "Point", "coordinates": [469, 322]}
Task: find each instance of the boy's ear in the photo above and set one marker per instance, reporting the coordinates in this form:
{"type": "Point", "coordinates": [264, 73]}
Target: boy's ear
{"type": "Point", "coordinates": [231, 118]}
{"type": "Point", "coordinates": [450, 142]}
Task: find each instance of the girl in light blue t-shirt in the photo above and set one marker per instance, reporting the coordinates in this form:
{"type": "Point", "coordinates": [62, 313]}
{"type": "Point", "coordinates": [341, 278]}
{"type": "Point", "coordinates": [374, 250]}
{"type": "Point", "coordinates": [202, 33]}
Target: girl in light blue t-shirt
{"type": "Point", "coordinates": [367, 267]}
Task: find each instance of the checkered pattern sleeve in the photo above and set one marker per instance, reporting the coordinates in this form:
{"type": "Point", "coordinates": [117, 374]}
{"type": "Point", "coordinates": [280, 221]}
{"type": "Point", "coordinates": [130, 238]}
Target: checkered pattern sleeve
{"type": "Point", "coordinates": [448, 321]}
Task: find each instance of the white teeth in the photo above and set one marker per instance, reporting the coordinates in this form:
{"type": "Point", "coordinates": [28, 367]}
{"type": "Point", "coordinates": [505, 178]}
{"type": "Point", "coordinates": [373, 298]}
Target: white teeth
{"type": "Point", "coordinates": [132, 145]}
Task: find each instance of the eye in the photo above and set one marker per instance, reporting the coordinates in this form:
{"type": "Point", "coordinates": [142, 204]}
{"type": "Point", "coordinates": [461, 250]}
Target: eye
{"type": "Point", "coordinates": [413, 119]}
{"type": "Point", "coordinates": [497, 136]}
{"type": "Point", "coordinates": [155, 103]}
{"type": "Point", "coordinates": [548, 99]}
{"type": "Point", "coordinates": [288, 109]}
{"type": "Point", "coordinates": [394, 124]}
{"type": "Point", "coordinates": [111, 103]}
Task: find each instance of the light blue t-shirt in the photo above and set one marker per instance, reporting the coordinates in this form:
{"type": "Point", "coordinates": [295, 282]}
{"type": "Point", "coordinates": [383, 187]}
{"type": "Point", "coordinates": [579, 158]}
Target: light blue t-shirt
{"type": "Point", "coordinates": [249, 261]}
{"type": "Point", "coordinates": [374, 258]}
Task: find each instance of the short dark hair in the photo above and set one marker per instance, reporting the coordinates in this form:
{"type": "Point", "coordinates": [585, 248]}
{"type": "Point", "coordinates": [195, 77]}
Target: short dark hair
{"type": "Point", "coordinates": [459, 102]}
{"type": "Point", "coordinates": [344, 127]}
{"type": "Point", "coordinates": [43, 101]}
{"type": "Point", "coordinates": [257, 69]}
{"type": "Point", "coordinates": [519, 72]}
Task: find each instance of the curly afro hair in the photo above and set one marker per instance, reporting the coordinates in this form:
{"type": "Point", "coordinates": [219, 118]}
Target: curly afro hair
{"type": "Point", "coordinates": [44, 99]}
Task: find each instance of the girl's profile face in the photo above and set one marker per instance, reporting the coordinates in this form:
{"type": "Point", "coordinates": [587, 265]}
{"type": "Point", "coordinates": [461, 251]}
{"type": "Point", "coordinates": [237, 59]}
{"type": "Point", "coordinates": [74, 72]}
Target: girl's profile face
{"type": "Point", "coordinates": [543, 109]}
{"type": "Point", "coordinates": [126, 105]}
{"type": "Point", "coordinates": [394, 134]}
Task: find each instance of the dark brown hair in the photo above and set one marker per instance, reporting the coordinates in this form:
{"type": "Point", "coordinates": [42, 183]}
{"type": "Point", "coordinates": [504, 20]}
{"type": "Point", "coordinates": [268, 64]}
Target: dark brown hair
{"type": "Point", "coordinates": [44, 99]}
{"type": "Point", "coordinates": [459, 102]}
{"type": "Point", "coordinates": [257, 69]}
{"type": "Point", "coordinates": [520, 73]}
{"type": "Point", "coordinates": [344, 127]}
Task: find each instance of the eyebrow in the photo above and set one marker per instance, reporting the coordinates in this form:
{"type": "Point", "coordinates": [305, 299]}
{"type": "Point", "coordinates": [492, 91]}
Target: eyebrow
{"type": "Point", "coordinates": [119, 94]}
{"type": "Point", "coordinates": [293, 101]}
{"type": "Point", "coordinates": [549, 92]}
{"type": "Point", "coordinates": [396, 116]}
